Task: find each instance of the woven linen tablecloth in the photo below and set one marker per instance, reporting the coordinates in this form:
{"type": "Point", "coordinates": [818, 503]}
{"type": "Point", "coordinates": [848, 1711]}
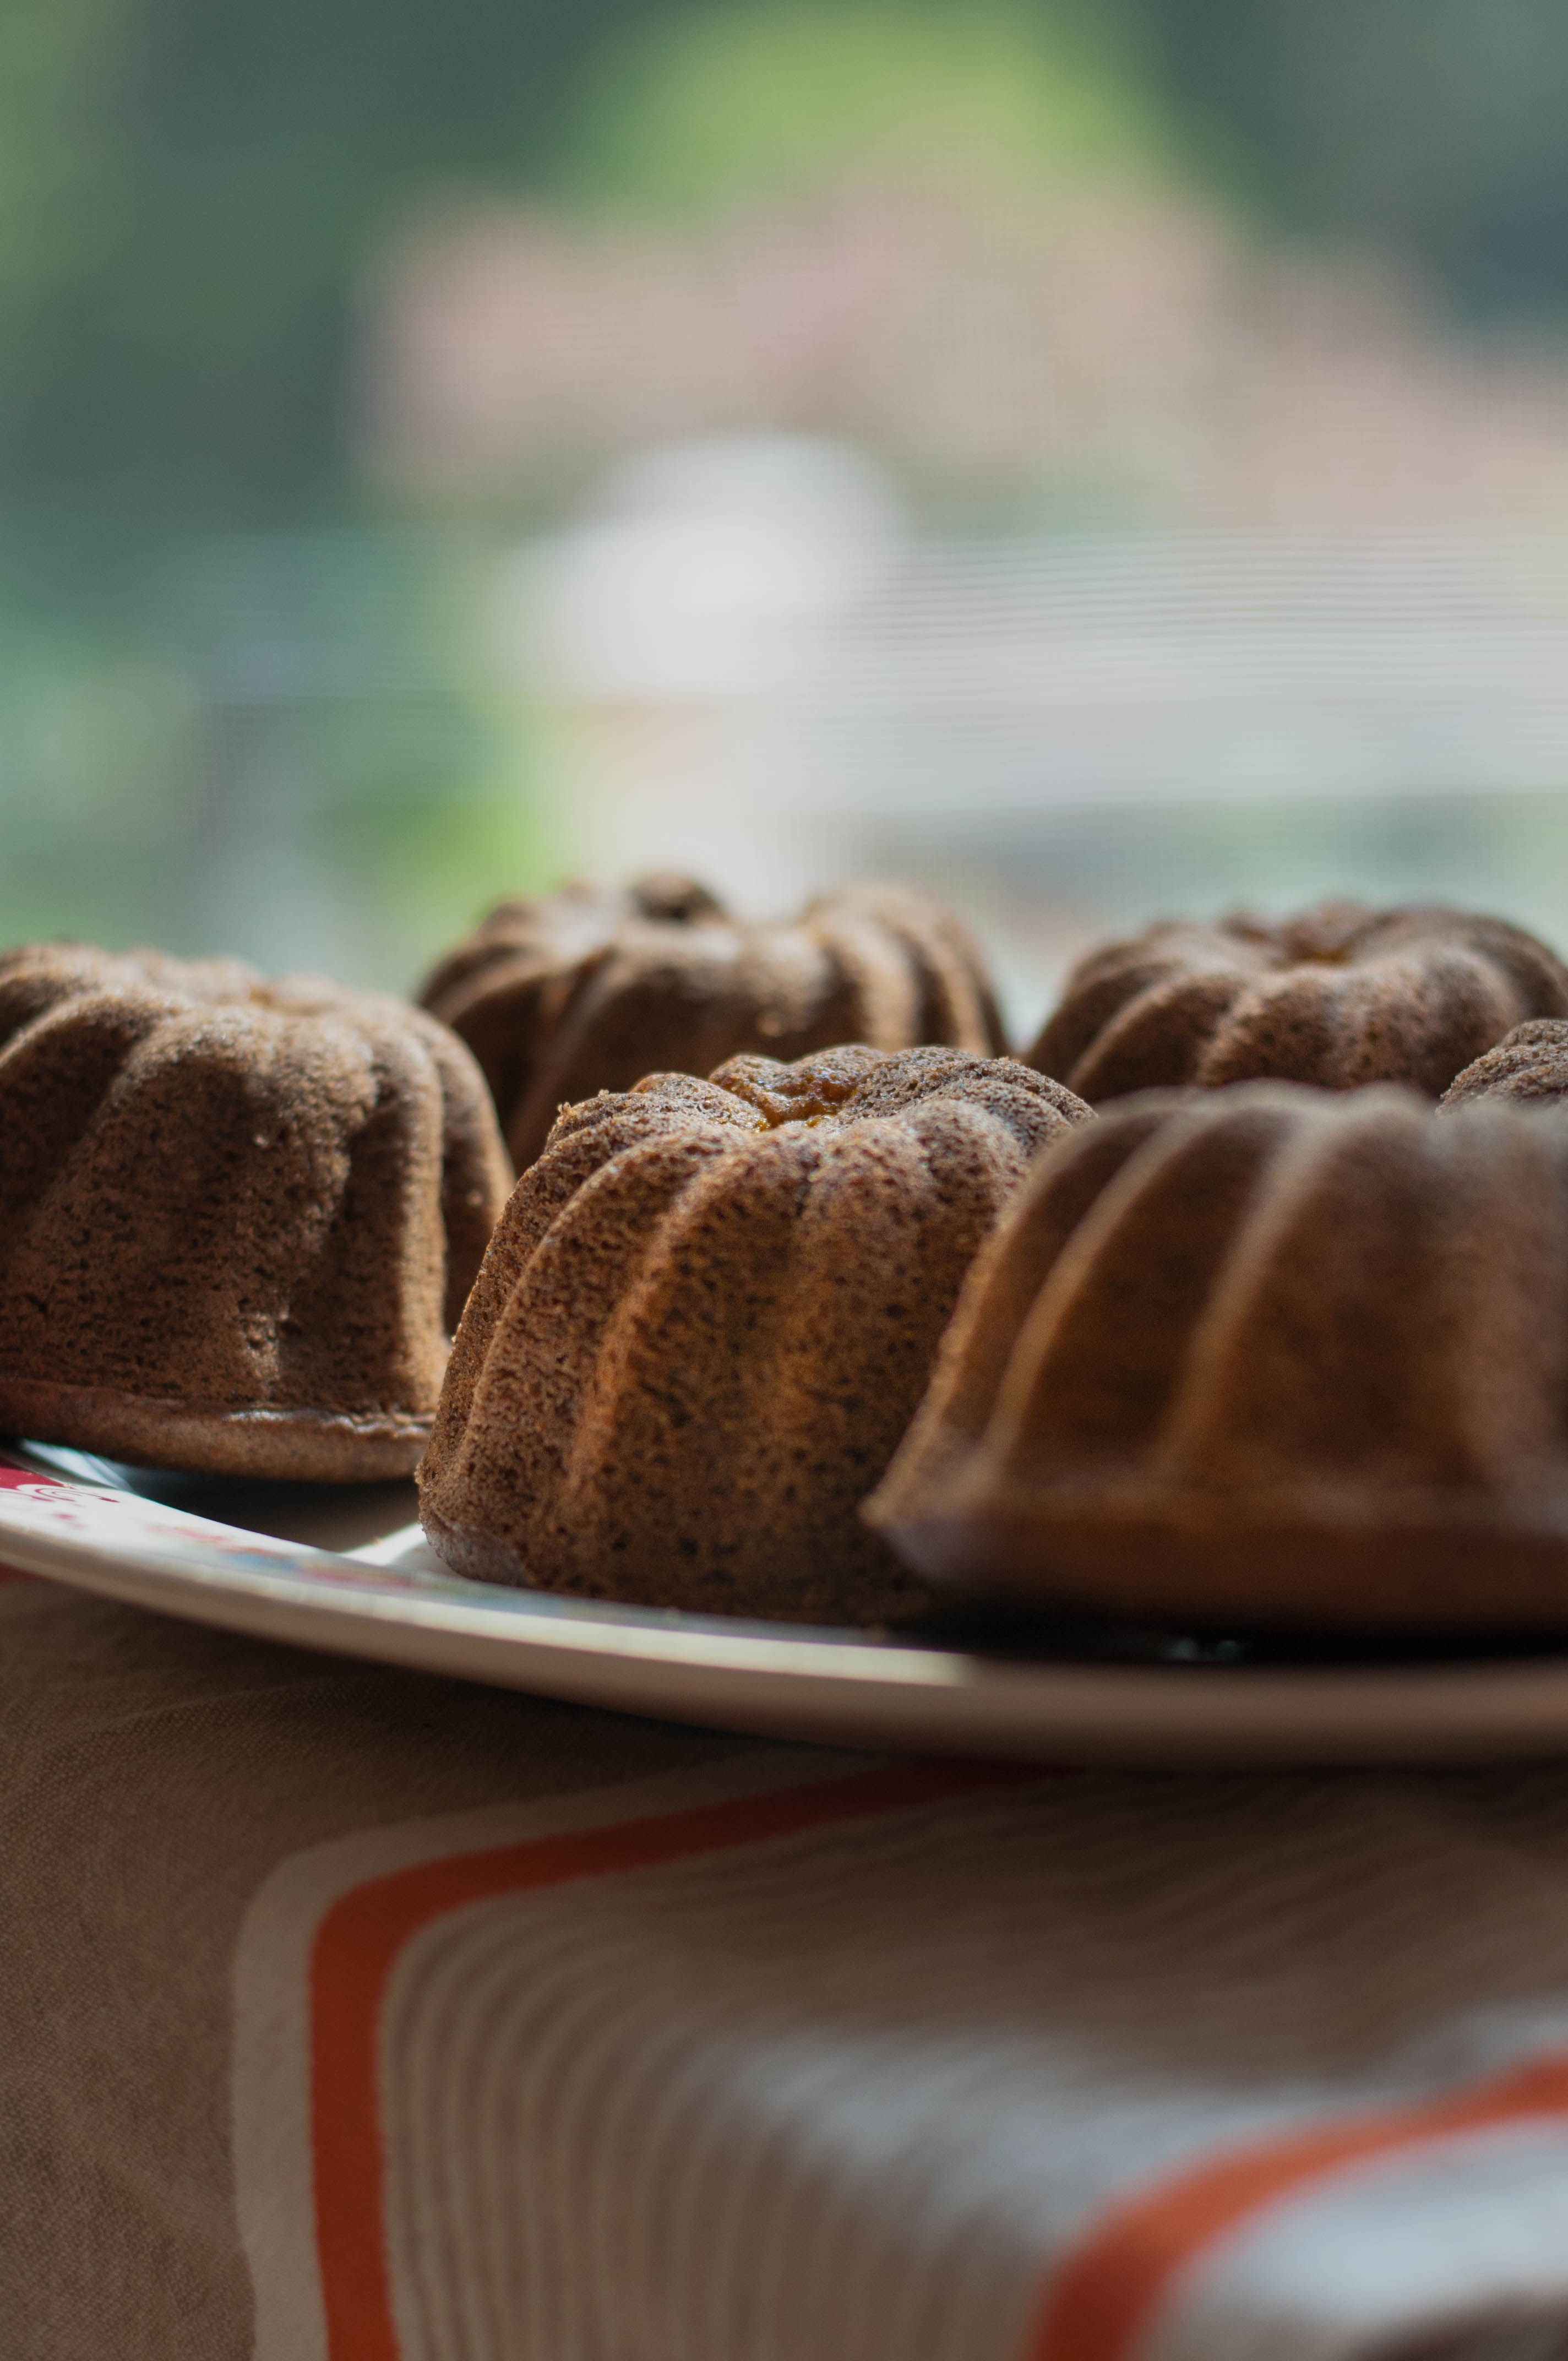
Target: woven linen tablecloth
{"type": "Point", "coordinates": [354, 2014]}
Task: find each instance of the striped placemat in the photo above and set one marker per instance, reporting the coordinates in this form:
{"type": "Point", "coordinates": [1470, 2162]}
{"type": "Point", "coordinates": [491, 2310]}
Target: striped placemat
{"type": "Point", "coordinates": [366, 2016]}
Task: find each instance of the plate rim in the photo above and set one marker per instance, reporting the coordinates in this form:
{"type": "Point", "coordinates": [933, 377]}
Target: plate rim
{"type": "Point", "coordinates": [881, 1693]}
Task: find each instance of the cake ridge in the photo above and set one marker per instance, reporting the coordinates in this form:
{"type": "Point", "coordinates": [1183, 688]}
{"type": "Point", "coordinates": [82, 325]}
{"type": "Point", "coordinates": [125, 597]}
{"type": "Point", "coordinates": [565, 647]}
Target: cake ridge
{"type": "Point", "coordinates": [1339, 994]}
{"type": "Point", "coordinates": [238, 1215]}
{"type": "Point", "coordinates": [1346, 1402]}
{"type": "Point", "coordinates": [699, 1332]}
{"type": "Point", "coordinates": [564, 994]}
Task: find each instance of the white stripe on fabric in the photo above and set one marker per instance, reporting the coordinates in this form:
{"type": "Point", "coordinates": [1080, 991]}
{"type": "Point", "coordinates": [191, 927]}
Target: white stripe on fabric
{"type": "Point", "coordinates": [1412, 2245]}
{"type": "Point", "coordinates": [851, 2091]}
{"type": "Point", "coordinates": [841, 2095]}
{"type": "Point", "coordinates": [270, 2072]}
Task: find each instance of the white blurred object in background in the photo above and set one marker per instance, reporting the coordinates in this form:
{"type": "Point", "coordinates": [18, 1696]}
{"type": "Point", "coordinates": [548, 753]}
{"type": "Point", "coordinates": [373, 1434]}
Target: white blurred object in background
{"type": "Point", "coordinates": [757, 670]}
{"type": "Point", "coordinates": [677, 634]}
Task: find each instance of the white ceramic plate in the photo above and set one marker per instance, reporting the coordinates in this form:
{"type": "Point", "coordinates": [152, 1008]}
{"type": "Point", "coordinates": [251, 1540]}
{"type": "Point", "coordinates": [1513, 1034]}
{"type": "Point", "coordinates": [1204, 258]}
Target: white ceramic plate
{"type": "Point", "coordinates": [347, 1570]}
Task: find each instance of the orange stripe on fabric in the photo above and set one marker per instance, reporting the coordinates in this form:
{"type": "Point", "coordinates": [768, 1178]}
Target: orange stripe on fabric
{"type": "Point", "coordinates": [361, 1935]}
{"type": "Point", "coordinates": [1111, 2287]}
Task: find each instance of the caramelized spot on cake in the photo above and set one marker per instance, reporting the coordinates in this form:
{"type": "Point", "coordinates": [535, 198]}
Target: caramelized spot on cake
{"type": "Point", "coordinates": [806, 1092]}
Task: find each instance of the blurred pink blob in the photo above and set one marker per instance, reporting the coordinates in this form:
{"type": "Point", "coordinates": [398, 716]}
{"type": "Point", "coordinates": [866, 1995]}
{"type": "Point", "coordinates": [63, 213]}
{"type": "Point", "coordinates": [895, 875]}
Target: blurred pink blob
{"type": "Point", "coordinates": [1138, 350]}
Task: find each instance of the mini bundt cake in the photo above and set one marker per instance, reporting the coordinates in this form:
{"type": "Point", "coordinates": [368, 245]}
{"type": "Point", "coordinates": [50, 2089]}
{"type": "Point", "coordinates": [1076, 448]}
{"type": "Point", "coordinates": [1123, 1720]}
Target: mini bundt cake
{"type": "Point", "coordinates": [237, 1219]}
{"type": "Point", "coordinates": [1266, 1356]}
{"type": "Point", "coordinates": [585, 991]}
{"type": "Point", "coordinates": [705, 1319]}
{"type": "Point", "coordinates": [1530, 1065]}
{"type": "Point", "coordinates": [1338, 995]}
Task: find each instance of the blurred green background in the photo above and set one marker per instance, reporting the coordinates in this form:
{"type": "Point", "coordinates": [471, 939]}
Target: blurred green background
{"type": "Point", "coordinates": [250, 692]}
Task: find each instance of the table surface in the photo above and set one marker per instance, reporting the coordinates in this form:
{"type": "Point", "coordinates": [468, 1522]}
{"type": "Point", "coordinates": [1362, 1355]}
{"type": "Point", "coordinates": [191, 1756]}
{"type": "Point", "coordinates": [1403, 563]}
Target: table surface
{"type": "Point", "coordinates": [361, 2015]}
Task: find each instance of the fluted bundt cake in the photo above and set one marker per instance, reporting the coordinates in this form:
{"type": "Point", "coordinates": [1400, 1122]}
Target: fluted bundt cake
{"type": "Point", "coordinates": [1529, 1064]}
{"type": "Point", "coordinates": [1271, 1355]}
{"type": "Point", "coordinates": [1338, 995]}
{"type": "Point", "coordinates": [705, 1319]}
{"type": "Point", "coordinates": [585, 991]}
{"type": "Point", "coordinates": [236, 1218]}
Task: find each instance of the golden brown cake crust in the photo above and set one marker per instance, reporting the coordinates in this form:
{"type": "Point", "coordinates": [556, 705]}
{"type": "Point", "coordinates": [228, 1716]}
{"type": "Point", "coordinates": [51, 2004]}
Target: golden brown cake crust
{"type": "Point", "coordinates": [583, 990]}
{"type": "Point", "coordinates": [235, 1216]}
{"type": "Point", "coordinates": [1529, 1064]}
{"type": "Point", "coordinates": [1338, 995]}
{"type": "Point", "coordinates": [1267, 1355]}
{"type": "Point", "coordinates": [705, 1320]}
{"type": "Point", "coordinates": [305, 1445]}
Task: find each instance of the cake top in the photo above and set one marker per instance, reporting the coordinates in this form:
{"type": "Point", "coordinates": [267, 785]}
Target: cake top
{"type": "Point", "coordinates": [804, 1111]}
{"type": "Point", "coordinates": [36, 976]}
{"type": "Point", "coordinates": [854, 1083]}
{"type": "Point", "coordinates": [1529, 1063]}
{"type": "Point", "coordinates": [830, 1091]}
{"type": "Point", "coordinates": [1338, 995]}
{"type": "Point", "coordinates": [571, 992]}
{"type": "Point", "coordinates": [283, 1036]}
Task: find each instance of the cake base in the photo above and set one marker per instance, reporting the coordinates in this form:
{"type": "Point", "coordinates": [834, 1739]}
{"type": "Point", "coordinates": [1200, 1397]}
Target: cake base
{"type": "Point", "coordinates": [289, 1445]}
{"type": "Point", "coordinates": [476, 1556]}
{"type": "Point", "coordinates": [1409, 1565]}
{"type": "Point", "coordinates": [876, 1603]}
